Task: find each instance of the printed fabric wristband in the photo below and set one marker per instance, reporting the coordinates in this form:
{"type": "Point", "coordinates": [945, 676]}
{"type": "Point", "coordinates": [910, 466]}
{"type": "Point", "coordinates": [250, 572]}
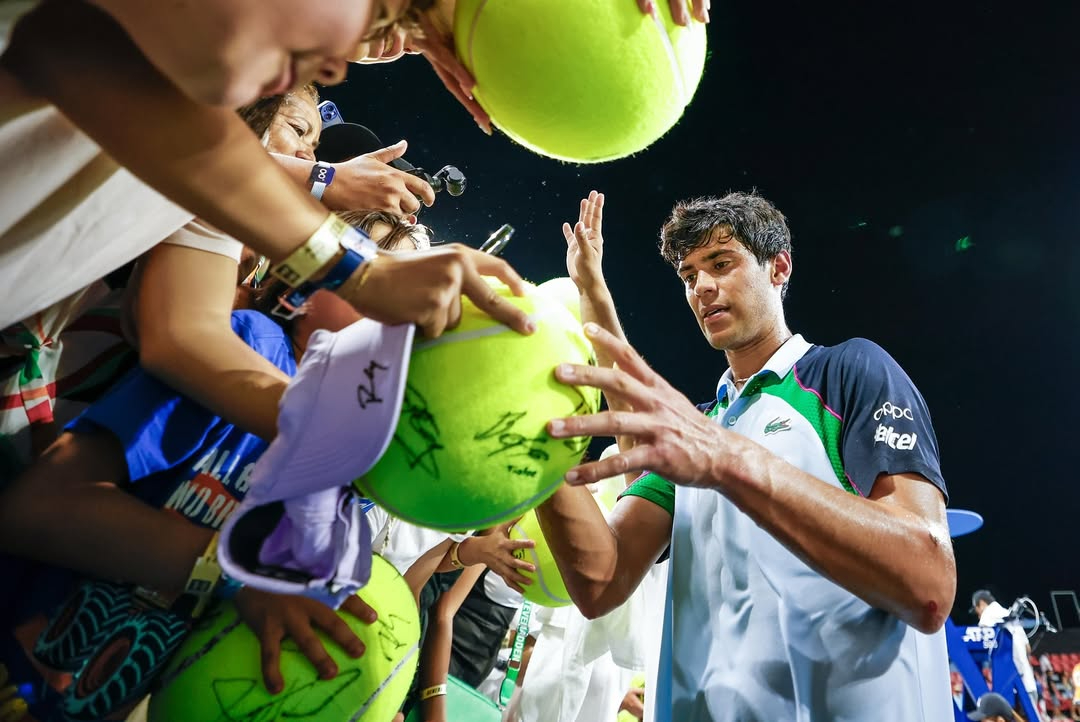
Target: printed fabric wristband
{"type": "Point", "coordinates": [322, 175]}
{"type": "Point", "coordinates": [204, 577]}
{"type": "Point", "coordinates": [438, 690]}
{"type": "Point", "coordinates": [317, 251]}
{"type": "Point", "coordinates": [357, 251]}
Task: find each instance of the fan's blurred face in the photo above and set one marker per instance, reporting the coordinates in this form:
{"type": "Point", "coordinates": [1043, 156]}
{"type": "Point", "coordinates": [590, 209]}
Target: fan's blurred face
{"type": "Point", "coordinates": [232, 52]}
{"type": "Point", "coordinates": [296, 127]}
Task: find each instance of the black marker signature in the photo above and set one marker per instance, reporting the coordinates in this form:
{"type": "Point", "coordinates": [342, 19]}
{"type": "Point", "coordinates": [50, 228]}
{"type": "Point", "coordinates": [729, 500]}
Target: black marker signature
{"type": "Point", "coordinates": [421, 444]}
{"type": "Point", "coordinates": [367, 394]}
{"type": "Point", "coordinates": [510, 441]}
{"type": "Point", "coordinates": [389, 642]}
{"type": "Point", "coordinates": [245, 699]}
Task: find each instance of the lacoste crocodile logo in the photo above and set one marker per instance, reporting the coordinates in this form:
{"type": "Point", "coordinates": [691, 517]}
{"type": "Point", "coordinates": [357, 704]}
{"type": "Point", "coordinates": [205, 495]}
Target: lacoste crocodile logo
{"type": "Point", "coordinates": [777, 425]}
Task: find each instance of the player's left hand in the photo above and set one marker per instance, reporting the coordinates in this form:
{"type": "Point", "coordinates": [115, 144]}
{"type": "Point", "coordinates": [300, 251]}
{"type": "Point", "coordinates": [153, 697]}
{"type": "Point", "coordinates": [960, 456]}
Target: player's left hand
{"type": "Point", "coordinates": [273, 617]}
{"type": "Point", "coordinates": [671, 436]}
{"type": "Point", "coordinates": [437, 46]}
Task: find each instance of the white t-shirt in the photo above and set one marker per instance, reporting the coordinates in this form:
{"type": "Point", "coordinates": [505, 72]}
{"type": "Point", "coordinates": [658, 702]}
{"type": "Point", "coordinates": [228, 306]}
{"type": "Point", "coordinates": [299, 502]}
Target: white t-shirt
{"type": "Point", "coordinates": [404, 542]}
{"type": "Point", "coordinates": [68, 214]}
{"type": "Point", "coordinates": [498, 592]}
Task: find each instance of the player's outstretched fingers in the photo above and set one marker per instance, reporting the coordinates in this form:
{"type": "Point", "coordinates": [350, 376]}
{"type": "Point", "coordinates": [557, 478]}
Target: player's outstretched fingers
{"type": "Point", "coordinates": [632, 460]}
{"type": "Point", "coordinates": [623, 354]}
{"type": "Point", "coordinates": [605, 423]}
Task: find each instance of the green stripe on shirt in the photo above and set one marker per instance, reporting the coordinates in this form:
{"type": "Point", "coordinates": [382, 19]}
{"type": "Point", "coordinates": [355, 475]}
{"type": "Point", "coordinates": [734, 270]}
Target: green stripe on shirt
{"type": "Point", "coordinates": [654, 488]}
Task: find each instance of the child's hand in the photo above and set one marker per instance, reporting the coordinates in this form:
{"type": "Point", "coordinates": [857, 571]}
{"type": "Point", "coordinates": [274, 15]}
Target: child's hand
{"type": "Point", "coordinates": [585, 244]}
{"type": "Point", "coordinates": [501, 554]}
{"type": "Point", "coordinates": [273, 617]}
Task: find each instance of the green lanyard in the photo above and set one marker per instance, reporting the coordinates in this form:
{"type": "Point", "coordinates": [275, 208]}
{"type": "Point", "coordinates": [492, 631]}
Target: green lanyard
{"type": "Point", "coordinates": [513, 669]}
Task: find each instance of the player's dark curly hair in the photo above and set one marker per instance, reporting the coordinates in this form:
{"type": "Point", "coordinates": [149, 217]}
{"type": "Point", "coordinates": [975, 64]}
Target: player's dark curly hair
{"type": "Point", "coordinates": [752, 220]}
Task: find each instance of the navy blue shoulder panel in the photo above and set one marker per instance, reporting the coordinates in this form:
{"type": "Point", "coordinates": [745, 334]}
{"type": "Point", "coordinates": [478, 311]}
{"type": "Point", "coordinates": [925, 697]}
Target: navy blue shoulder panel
{"type": "Point", "coordinates": [885, 423]}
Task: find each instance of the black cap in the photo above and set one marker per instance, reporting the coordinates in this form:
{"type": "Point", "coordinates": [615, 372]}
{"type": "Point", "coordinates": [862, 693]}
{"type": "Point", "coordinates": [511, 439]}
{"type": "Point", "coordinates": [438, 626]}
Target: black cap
{"type": "Point", "coordinates": [992, 704]}
{"type": "Point", "coordinates": [343, 141]}
{"type": "Point", "coordinates": [982, 595]}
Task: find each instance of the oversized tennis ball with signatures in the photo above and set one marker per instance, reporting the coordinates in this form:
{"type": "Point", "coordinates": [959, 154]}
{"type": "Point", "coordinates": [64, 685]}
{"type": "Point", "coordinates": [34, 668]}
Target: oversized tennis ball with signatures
{"type": "Point", "coordinates": [471, 449]}
{"type": "Point", "coordinates": [579, 80]}
{"type": "Point", "coordinates": [217, 677]}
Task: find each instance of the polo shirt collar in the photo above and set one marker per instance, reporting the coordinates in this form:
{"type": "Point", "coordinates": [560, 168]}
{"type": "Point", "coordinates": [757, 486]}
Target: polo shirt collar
{"type": "Point", "coordinates": [779, 363]}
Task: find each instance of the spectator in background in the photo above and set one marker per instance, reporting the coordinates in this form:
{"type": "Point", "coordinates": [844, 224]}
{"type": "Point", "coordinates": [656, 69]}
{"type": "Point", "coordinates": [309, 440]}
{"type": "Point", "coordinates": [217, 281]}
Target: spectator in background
{"type": "Point", "coordinates": [990, 614]}
{"type": "Point", "coordinates": [993, 707]}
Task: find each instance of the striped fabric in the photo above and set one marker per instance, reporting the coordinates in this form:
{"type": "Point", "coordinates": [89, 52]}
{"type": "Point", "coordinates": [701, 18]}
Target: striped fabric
{"type": "Point", "coordinates": [54, 364]}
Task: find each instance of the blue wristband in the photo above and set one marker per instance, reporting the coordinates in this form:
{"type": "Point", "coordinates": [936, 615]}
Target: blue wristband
{"type": "Point", "coordinates": [226, 588]}
{"type": "Point", "coordinates": [358, 251]}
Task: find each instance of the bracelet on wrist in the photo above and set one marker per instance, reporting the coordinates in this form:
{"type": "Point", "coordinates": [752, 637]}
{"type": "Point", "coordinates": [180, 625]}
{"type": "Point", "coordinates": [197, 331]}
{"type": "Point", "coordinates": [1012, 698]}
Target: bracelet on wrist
{"type": "Point", "coordinates": [455, 560]}
{"type": "Point", "coordinates": [204, 577]}
{"type": "Point", "coordinates": [438, 690]}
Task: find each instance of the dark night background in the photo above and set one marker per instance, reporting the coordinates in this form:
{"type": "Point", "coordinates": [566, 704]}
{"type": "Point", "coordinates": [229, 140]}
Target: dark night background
{"type": "Point", "coordinates": [887, 133]}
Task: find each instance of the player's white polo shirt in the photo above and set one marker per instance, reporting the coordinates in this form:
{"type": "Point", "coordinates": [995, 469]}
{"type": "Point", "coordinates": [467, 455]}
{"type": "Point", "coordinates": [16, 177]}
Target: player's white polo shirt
{"type": "Point", "coordinates": [755, 633]}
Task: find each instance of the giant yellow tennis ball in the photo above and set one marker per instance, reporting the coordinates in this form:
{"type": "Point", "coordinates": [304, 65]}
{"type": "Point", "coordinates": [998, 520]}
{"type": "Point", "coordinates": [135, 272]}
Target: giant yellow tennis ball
{"type": "Point", "coordinates": [471, 448]}
{"type": "Point", "coordinates": [216, 676]}
{"type": "Point", "coordinates": [579, 80]}
{"type": "Point", "coordinates": [638, 682]}
{"type": "Point", "coordinates": [547, 588]}
{"type": "Point", "coordinates": [565, 291]}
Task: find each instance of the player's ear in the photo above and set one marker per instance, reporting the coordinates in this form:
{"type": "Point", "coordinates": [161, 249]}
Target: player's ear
{"type": "Point", "coordinates": [781, 268]}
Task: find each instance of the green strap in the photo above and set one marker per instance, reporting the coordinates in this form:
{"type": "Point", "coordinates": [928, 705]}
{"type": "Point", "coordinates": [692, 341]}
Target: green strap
{"type": "Point", "coordinates": [513, 669]}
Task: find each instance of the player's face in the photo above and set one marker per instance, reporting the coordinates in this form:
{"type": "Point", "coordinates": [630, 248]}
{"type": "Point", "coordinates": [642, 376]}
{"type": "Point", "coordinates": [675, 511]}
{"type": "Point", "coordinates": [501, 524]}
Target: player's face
{"type": "Point", "coordinates": [734, 298]}
{"type": "Point", "coordinates": [296, 127]}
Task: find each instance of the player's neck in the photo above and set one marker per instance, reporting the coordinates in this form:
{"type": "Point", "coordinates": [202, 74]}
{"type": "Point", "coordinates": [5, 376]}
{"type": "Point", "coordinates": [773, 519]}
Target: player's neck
{"type": "Point", "coordinates": [747, 360]}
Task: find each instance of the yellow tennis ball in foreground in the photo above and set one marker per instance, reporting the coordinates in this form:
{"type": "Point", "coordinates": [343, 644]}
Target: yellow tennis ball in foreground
{"type": "Point", "coordinates": [547, 588]}
{"type": "Point", "coordinates": [579, 80]}
{"type": "Point", "coordinates": [217, 676]}
{"type": "Point", "coordinates": [471, 447]}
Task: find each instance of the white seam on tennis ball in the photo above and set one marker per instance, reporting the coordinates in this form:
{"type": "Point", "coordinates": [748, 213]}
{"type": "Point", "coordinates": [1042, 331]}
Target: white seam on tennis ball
{"type": "Point", "coordinates": [389, 678]}
{"type": "Point", "coordinates": [493, 330]}
{"type": "Point", "coordinates": [673, 59]}
{"type": "Point", "coordinates": [472, 34]}
{"type": "Point", "coordinates": [484, 523]}
{"type": "Point", "coordinates": [539, 576]}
